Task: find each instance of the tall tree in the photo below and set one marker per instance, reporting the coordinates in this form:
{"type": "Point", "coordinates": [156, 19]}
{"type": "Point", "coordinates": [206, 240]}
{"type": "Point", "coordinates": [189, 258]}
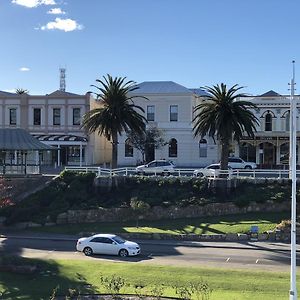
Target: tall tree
{"type": "Point", "coordinates": [223, 116]}
{"type": "Point", "coordinates": [21, 91]}
{"type": "Point", "coordinates": [152, 138]}
{"type": "Point", "coordinates": [117, 114]}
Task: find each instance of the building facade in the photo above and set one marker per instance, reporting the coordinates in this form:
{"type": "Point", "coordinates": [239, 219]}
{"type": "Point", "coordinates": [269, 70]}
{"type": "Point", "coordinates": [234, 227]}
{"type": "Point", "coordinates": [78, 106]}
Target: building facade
{"type": "Point", "coordinates": [170, 108]}
{"type": "Point", "coordinates": [54, 119]}
{"type": "Point", "coordinates": [270, 147]}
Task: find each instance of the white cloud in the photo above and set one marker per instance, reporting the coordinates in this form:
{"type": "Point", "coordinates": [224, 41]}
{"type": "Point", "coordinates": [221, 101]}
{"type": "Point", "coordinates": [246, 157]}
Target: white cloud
{"type": "Point", "coordinates": [62, 24]}
{"type": "Point", "coordinates": [24, 69]}
{"type": "Point", "coordinates": [56, 11]}
{"type": "Point", "coordinates": [33, 3]}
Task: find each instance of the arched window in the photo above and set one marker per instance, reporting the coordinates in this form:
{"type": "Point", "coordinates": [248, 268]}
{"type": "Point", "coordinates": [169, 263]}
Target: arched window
{"type": "Point", "coordinates": [203, 148]}
{"type": "Point", "coordinates": [268, 122]}
{"type": "Point", "coordinates": [128, 149]}
{"type": "Point", "coordinates": [287, 121]}
{"type": "Point", "coordinates": [173, 148]}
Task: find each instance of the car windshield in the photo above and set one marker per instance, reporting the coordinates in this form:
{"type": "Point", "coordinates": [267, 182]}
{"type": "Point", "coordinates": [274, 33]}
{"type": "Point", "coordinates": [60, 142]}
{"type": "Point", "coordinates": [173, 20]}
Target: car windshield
{"type": "Point", "coordinates": [118, 239]}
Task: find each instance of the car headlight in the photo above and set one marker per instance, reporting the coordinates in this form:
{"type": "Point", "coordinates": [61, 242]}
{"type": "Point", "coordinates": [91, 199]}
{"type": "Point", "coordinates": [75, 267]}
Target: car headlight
{"type": "Point", "coordinates": [132, 248]}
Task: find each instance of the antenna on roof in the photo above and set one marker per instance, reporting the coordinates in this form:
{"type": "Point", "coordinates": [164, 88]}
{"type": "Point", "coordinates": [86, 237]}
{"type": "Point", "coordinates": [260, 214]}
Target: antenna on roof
{"type": "Point", "coordinates": [62, 79]}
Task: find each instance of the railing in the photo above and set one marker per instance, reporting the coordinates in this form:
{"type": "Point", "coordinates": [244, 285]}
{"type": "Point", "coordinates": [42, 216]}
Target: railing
{"type": "Point", "coordinates": [239, 173]}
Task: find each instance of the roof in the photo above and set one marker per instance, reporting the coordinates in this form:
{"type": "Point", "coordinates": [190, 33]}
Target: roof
{"type": "Point", "coordinates": [20, 139]}
{"type": "Point", "coordinates": [2, 93]}
{"type": "Point", "coordinates": [161, 87]}
{"type": "Point", "coordinates": [60, 93]}
{"type": "Point", "coordinates": [199, 92]}
{"type": "Point", "coordinates": [60, 137]}
{"type": "Point", "coordinates": [270, 93]}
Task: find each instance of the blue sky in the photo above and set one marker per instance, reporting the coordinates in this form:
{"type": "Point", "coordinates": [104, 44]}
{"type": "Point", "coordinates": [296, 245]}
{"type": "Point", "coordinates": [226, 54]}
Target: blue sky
{"type": "Point", "coordinates": [192, 42]}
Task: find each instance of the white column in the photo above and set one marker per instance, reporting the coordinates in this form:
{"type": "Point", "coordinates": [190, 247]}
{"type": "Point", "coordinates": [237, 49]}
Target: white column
{"type": "Point", "coordinates": [58, 155]}
{"type": "Point", "coordinates": [80, 164]}
{"type": "Point", "coordinates": [36, 157]}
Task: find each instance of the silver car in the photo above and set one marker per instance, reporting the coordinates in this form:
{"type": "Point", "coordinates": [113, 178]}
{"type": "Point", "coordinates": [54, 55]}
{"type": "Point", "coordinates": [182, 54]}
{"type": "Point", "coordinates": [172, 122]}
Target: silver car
{"type": "Point", "coordinates": [211, 171]}
{"type": "Point", "coordinates": [161, 167]}
{"type": "Point", "coordinates": [110, 244]}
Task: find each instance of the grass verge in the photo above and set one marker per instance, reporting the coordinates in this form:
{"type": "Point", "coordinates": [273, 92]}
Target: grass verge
{"type": "Point", "coordinates": [208, 225]}
{"type": "Point", "coordinates": [85, 276]}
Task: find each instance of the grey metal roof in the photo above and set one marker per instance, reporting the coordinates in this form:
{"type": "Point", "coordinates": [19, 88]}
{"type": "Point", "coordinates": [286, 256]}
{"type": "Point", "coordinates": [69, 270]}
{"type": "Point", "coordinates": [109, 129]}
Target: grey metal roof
{"type": "Point", "coordinates": [60, 93]}
{"type": "Point", "coordinates": [161, 87]}
{"type": "Point", "coordinates": [2, 93]}
{"type": "Point", "coordinates": [20, 139]}
{"type": "Point", "coordinates": [270, 93]}
{"type": "Point", "coordinates": [199, 92]}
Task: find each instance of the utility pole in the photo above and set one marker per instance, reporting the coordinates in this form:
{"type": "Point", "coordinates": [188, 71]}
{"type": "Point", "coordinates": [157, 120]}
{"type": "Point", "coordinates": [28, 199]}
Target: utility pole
{"type": "Point", "coordinates": [293, 176]}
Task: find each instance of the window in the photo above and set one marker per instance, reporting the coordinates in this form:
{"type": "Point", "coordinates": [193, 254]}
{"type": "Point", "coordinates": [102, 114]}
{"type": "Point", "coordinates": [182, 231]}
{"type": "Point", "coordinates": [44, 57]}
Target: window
{"type": "Point", "coordinates": [76, 116]}
{"type": "Point", "coordinates": [173, 148]}
{"type": "Point", "coordinates": [268, 122]}
{"type": "Point", "coordinates": [203, 148]}
{"type": "Point", "coordinates": [12, 116]}
{"type": "Point", "coordinates": [174, 113]}
{"type": "Point", "coordinates": [36, 116]}
{"type": "Point", "coordinates": [287, 121]}
{"type": "Point", "coordinates": [150, 113]}
{"type": "Point", "coordinates": [56, 116]}
{"type": "Point", "coordinates": [128, 149]}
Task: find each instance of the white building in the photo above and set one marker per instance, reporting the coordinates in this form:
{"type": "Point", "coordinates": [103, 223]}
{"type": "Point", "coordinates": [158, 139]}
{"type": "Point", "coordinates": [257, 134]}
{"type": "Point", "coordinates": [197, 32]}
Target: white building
{"type": "Point", "coordinates": [270, 147]}
{"type": "Point", "coordinates": [170, 108]}
{"type": "Point", "coordinates": [54, 119]}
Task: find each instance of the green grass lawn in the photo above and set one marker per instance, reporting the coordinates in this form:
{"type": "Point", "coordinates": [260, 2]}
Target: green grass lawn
{"type": "Point", "coordinates": [208, 225]}
{"type": "Point", "coordinates": [85, 276]}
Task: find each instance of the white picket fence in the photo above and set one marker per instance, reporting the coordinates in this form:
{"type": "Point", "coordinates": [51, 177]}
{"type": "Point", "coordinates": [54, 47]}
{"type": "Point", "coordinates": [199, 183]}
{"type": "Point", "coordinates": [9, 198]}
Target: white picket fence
{"type": "Point", "coordinates": [130, 171]}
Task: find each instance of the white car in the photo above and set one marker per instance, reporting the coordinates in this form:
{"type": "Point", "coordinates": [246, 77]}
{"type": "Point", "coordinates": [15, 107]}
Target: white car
{"type": "Point", "coordinates": [107, 244]}
{"type": "Point", "coordinates": [211, 171]}
{"type": "Point", "coordinates": [238, 163]}
{"type": "Point", "coordinates": [162, 167]}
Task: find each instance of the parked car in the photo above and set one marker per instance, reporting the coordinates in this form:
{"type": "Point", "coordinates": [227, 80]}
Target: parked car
{"type": "Point", "coordinates": [107, 244]}
{"type": "Point", "coordinates": [238, 163]}
{"type": "Point", "coordinates": [211, 171]}
{"type": "Point", "coordinates": [162, 167]}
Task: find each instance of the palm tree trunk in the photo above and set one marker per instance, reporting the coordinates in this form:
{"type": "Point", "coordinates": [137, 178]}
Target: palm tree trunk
{"type": "Point", "coordinates": [224, 153]}
{"type": "Point", "coordinates": [114, 162]}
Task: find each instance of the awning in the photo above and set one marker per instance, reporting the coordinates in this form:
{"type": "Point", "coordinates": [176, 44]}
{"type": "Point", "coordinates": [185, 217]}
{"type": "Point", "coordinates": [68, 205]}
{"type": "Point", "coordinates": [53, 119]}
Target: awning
{"type": "Point", "coordinates": [19, 139]}
{"type": "Point", "coordinates": [59, 138]}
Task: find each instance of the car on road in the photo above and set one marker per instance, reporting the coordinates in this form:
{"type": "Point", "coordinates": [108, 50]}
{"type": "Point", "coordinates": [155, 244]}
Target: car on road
{"type": "Point", "coordinates": [211, 171]}
{"type": "Point", "coordinates": [162, 167]}
{"type": "Point", "coordinates": [110, 244]}
{"type": "Point", "coordinates": [238, 163]}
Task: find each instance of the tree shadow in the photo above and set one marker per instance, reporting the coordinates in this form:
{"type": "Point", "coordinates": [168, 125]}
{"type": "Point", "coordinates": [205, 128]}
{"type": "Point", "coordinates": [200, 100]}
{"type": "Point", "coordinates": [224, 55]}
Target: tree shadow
{"type": "Point", "coordinates": [31, 278]}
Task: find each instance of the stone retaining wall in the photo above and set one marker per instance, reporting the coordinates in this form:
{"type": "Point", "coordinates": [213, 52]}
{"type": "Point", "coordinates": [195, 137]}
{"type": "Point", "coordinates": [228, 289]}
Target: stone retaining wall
{"type": "Point", "coordinates": [173, 212]}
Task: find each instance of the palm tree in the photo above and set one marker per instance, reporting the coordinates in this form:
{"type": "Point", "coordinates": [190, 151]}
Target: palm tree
{"type": "Point", "coordinates": [118, 112]}
{"type": "Point", "coordinates": [224, 116]}
{"type": "Point", "coordinates": [21, 91]}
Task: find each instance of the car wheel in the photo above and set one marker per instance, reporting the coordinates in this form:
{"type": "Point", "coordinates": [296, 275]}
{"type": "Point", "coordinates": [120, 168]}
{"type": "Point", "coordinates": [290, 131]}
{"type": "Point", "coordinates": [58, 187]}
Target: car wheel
{"type": "Point", "coordinates": [123, 253]}
{"type": "Point", "coordinates": [88, 251]}
{"type": "Point", "coordinates": [166, 173]}
{"type": "Point", "coordinates": [248, 167]}
{"type": "Point", "coordinates": [200, 174]}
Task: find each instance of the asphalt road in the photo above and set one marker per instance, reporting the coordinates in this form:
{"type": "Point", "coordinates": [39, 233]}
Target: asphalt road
{"type": "Point", "coordinates": [255, 255]}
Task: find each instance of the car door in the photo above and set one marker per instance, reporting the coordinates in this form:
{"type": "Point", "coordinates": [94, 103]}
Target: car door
{"type": "Point", "coordinates": [97, 245]}
{"type": "Point", "coordinates": [151, 167]}
{"type": "Point", "coordinates": [110, 247]}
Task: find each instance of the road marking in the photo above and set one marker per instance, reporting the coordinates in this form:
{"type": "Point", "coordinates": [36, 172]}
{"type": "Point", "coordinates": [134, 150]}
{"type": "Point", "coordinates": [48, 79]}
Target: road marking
{"type": "Point", "coordinates": [257, 261]}
{"type": "Point", "coordinates": [228, 259]}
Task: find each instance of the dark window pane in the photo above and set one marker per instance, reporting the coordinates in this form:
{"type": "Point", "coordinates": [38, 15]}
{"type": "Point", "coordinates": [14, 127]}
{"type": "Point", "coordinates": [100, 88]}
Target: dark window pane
{"type": "Point", "coordinates": [76, 116]}
{"type": "Point", "coordinates": [36, 116]}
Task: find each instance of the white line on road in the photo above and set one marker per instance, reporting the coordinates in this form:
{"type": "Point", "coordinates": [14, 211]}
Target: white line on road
{"type": "Point", "coordinates": [228, 259]}
{"type": "Point", "coordinates": [257, 261]}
